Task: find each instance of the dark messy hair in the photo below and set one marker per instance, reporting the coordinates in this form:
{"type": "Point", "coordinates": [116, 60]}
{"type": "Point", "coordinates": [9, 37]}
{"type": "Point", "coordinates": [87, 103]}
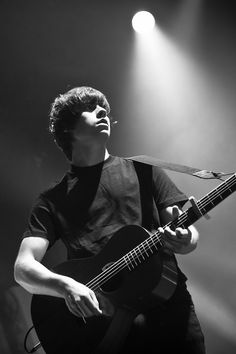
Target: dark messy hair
{"type": "Point", "coordinates": [67, 108]}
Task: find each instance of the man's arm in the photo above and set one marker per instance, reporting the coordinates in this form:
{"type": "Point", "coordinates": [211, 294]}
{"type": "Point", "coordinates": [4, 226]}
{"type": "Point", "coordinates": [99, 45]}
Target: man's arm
{"type": "Point", "coordinates": [37, 279]}
{"type": "Point", "coordinates": [180, 240]}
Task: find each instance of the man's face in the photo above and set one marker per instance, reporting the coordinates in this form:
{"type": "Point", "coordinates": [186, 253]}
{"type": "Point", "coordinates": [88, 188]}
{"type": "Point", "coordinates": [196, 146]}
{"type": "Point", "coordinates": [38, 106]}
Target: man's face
{"type": "Point", "coordinates": [93, 125]}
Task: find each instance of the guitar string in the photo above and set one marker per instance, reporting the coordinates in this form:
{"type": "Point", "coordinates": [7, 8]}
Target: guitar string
{"type": "Point", "coordinates": [137, 251]}
{"type": "Point", "coordinates": [147, 245]}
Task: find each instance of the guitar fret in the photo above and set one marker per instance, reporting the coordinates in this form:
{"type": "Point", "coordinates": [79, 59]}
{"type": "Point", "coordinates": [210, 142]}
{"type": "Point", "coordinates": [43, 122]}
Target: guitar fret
{"type": "Point", "coordinates": [133, 258]}
{"type": "Point", "coordinates": [140, 253]}
{"type": "Point", "coordinates": [154, 244]}
{"type": "Point", "coordinates": [218, 194]}
{"type": "Point", "coordinates": [137, 256]}
{"type": "Point", "coordinates": [228, 187]}
{"type": "Point", "coordinates": [127, 261]}
{"type": "Point", "coordinates": [150, 248]}
{"type": "Point", "coordinates": [142, 246]}
{"type": "Point", "coordinates": [210, 200]}
{"type": "Point", "coordinates": [146, 248]}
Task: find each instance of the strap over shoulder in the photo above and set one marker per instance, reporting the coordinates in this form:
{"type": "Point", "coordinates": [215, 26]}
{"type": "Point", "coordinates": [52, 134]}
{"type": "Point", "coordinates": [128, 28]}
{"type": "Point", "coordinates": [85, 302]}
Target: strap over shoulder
{"type": "Point", "coordinates": [196, 172]}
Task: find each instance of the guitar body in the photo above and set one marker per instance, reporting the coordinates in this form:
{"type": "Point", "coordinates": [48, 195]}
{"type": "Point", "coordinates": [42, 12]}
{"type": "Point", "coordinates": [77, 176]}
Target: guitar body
{"type": "Point", "coordinates": [133, 288]}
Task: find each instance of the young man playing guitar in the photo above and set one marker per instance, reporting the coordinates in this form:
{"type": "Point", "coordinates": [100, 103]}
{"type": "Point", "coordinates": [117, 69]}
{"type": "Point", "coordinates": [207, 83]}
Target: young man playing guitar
{"type": "Point", "coordinates": [115, 304]}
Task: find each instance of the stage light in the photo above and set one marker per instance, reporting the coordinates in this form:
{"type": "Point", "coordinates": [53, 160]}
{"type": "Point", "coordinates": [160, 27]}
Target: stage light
{"type": "Point", "coordinates": [143, 22]}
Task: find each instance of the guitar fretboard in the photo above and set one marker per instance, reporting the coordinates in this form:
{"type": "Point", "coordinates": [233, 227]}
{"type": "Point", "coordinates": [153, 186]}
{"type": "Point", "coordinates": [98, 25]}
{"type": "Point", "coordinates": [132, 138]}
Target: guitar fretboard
{"type": "Point", "coordinates": [208, 202]}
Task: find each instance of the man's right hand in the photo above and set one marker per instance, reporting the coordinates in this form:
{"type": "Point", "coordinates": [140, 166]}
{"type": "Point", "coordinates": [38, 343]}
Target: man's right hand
{"type": "Point", "coordinates": [80, 300]}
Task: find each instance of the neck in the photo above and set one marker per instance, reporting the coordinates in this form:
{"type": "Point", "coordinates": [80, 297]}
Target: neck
{"type": "Point", "coordinates": [89, 157]}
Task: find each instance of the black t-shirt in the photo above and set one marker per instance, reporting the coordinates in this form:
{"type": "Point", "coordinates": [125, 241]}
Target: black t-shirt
{"type": "Point", "coordinates": [91, 203]}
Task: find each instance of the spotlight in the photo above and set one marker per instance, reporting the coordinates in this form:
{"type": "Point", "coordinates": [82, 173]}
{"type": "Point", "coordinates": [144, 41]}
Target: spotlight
{"type": "Point", "coordinates": [143, 22]}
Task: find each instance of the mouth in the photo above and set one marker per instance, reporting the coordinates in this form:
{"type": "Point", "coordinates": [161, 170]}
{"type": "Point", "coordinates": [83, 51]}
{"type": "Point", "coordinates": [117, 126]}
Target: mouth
{"type": "Point", "coordinates": [103, 122]}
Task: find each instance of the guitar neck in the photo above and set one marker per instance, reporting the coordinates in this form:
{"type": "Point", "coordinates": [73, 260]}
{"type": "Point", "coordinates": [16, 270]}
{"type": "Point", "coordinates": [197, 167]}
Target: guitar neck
{"type": "Point", "coordinates": [206, 203]}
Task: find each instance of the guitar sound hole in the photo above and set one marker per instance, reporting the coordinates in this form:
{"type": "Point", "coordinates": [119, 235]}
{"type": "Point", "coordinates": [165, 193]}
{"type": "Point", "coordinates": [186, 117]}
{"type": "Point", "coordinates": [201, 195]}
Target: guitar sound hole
{"type": "Point", "coordinates": [113, 283]}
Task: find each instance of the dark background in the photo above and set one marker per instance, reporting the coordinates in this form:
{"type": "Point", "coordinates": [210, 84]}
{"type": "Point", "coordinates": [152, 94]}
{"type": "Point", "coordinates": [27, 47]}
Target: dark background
{"type": "Point", "coordinates": [174, 97]}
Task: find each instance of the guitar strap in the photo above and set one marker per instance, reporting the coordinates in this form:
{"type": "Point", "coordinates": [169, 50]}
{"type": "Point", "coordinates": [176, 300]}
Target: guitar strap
{"type": "Point", "coordinates": [144, 173]}
{"type": "Point", "coordinates": [196, 172]}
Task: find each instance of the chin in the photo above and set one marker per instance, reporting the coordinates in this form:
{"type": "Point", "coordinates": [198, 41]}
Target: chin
{"type": "Point", "coordinates": [104, 135]}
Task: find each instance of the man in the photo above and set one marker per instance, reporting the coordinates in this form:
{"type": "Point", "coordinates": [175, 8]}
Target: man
{"type": "Point", "coordinates": [98, 196]}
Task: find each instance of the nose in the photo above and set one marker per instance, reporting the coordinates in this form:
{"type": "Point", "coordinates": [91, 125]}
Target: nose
{"type": "Point", "coordinates": [101, 113]}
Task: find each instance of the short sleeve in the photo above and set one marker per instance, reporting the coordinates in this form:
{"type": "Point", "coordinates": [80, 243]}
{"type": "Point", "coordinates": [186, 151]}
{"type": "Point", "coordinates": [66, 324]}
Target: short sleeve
{"type": "Point", "coordinates": [40, 222]}
{"type": "Point", "coordinates": [165, 192]}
